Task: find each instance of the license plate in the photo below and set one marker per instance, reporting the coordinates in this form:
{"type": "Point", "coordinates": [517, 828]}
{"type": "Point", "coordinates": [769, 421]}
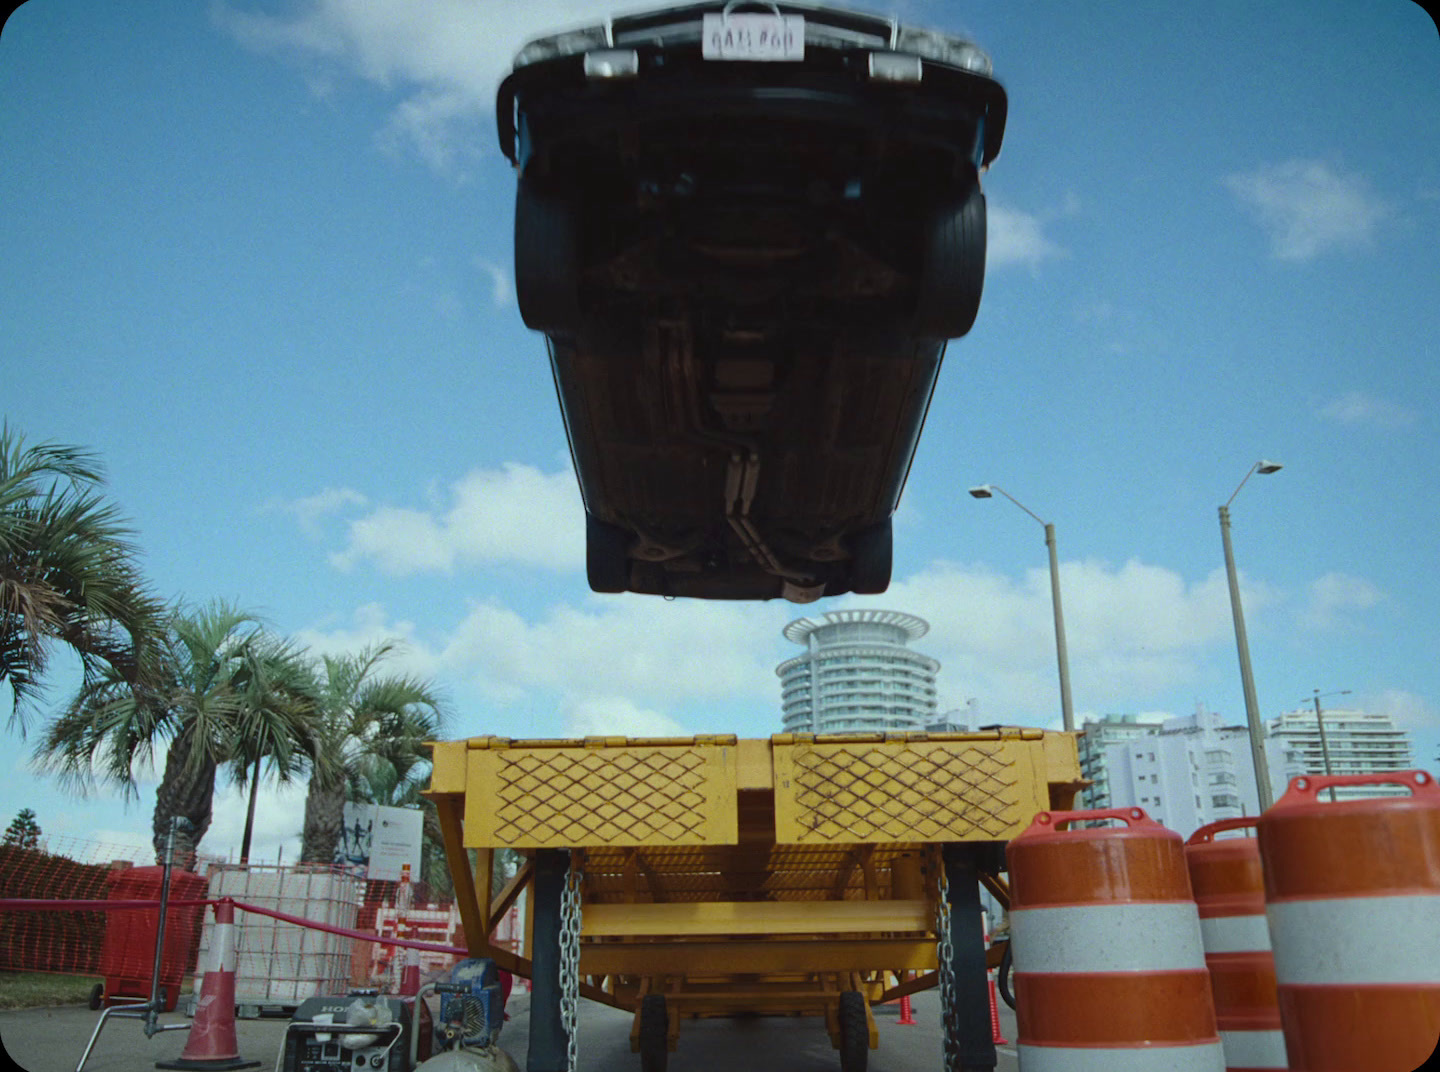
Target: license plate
{"type": "Point", "coordinates": [753, 36]}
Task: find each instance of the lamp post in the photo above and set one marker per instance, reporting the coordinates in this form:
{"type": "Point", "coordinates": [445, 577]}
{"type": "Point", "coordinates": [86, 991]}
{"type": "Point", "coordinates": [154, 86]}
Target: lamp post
{"type": "Point", "coordinates": [1320, 726]}
{"type": "Point", "coordinates": [1242, 644]}
{"type": "Point", "coordinates": [986, 491]}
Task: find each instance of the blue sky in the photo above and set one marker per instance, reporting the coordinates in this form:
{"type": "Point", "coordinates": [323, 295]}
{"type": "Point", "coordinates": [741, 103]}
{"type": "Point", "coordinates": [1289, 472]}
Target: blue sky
{"type": "Point", "coordinates": [258, 256]}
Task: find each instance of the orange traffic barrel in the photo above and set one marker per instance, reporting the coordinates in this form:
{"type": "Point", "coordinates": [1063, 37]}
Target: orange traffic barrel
{"type": "Point", "coordinates": [1108, 968]}
{"type": "Point", "coordinates": [1230, 895]}
{"type": "Point", "coordinates": [1352, 891]}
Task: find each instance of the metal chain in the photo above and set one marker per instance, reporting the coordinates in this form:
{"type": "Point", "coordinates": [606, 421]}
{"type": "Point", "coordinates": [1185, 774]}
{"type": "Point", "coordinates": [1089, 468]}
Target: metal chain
{"type": "Point", "coordinates": [948, 1013]}
{"type": "Point", "coordinates": [570, 962]}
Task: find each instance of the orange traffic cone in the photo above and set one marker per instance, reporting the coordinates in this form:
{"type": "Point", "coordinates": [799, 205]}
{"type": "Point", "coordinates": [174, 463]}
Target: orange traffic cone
{"type": "Point", "coordinates": [211, 1044]}
{"type": "Point", "coordinates": [905, 1012]}
{"type": "Point", "coordinates": [995, 1035]}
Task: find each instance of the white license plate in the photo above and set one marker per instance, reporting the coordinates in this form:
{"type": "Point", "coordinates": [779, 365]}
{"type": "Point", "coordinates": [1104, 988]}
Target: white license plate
{"type": "Point", "coordinates": [753, 36]}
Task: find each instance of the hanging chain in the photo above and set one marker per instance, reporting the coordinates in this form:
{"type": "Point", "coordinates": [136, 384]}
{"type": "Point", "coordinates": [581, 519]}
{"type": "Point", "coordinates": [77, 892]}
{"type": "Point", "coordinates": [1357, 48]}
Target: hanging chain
{"type": "Point", "coordinates": [570, 962]}
{"type": "Point", "coordinates": [948, 1014]}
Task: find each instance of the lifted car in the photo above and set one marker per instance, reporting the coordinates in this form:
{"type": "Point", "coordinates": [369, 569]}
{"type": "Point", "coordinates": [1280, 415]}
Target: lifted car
{"type": "Point", "coordinates": [747, 231]}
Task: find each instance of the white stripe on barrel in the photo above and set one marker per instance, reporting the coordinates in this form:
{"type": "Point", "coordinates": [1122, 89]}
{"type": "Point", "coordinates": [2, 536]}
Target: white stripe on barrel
{"type": "Point", "coordinates": [1235, 934]}
{"type": "Point", "coordinates": [1254, 1049]}
{"type": "Point", "coordinates": [1125, 936]}
{"type": "Point", "coordinates": [1394, 939]}
{"type": "Point", "coordinates": [1205, 1057]}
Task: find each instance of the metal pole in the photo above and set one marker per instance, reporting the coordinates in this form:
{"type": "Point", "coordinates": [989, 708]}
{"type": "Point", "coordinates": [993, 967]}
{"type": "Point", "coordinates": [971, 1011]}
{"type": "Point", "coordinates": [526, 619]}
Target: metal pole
{"type": "Point", "coordinates": [1320, 725]}
{"type": "Point", "coordinates": [1247, 678]}
{"type": "Point", "coordinates": [153, 1008]}
{"type": "Point", "coordinates": [1062, 655]}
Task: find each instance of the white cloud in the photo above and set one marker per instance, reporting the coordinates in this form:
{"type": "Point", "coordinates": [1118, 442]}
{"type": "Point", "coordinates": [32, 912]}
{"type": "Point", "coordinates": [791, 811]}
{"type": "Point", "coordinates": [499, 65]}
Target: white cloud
{"type": "Point", "coordinates": [444, 58]}
{"type": "Point", "coordinates": [1132, 632]}
{"type": "Point", "coordinates": [1409, 710]}
{"type": "Point", "coordinates": [1308, 208]}
{"type": "Point", "coordinates": [312, 509]}
{"type": "Point", "coordinates": [1015, 237]}
{"type": "Point", "coordinates": [1335, 597]}
{"type": "Point", "coordinates": [1359, 408]}
{"type": "Point", "coordinates": [513, 514]}
{"type": "Point", "coordinates": [615, 716]}
{"type": "Point", "coordinates": [502, 293]}
{"type": "Point", "coordinates": [657, 653]}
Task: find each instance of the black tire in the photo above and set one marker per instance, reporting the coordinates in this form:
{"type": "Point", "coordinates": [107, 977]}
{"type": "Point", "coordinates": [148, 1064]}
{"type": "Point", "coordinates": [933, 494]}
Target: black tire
{"type": "Point", "coordinates": [607, 558]}
{"type": "Point", "coordinates": [872, 554]}
{"type": "Point", "coordinates": [1003, 977]}
{"type": "Point", "coordinates": [97, 996]}
{"type": "Point", "coordinates": [952, 268]}
{"type": "Point", "coordinates": [547, 260]}
{"type": "Point", "coordinates": [654, 1033]}
{"type": "Point", "coordinates": [854, 1032]}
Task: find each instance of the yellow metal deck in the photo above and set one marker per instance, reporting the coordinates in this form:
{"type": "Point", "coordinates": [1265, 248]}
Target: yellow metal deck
{"type": "Point", "coordinates": [743, 875]}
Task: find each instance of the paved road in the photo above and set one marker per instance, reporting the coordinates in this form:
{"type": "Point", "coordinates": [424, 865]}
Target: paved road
{"type": "Point", "coordinates": [51, 1040]}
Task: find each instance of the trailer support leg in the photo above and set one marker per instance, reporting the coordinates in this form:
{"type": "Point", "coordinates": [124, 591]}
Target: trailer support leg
{"type": "Point", "coordinates": [973, 1040]}
{"type": "Point", "coordinates": [548, 1049]}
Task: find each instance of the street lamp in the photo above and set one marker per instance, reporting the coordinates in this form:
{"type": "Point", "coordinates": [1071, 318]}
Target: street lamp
{"type": "Point", "coordinates": [1320, 725]}
{"type": "Point", "coordinates": [986, 491]}
{"type": "Point", "coordinates": [1242, 644]}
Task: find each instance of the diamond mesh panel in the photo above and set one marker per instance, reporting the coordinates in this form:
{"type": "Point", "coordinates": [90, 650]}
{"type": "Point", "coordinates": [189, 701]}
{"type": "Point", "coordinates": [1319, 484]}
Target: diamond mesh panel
{"type": "Point", "coordinates": [581, 797]}
{"type": "Point", "coordinates": [907, 791]}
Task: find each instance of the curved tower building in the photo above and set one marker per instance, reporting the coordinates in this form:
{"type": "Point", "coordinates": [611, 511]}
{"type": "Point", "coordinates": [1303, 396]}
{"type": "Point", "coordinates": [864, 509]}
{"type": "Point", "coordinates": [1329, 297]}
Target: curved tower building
{"type": "Point", "coordinates": [857, 675]}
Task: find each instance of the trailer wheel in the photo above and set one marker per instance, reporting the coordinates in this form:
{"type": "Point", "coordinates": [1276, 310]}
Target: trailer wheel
{"type": "Point", "coordinates": [854, 1032]}
{"type": "Point", "coordinates": [97, 996]}
{"type": "Point", "coordinates": [654, 1033]}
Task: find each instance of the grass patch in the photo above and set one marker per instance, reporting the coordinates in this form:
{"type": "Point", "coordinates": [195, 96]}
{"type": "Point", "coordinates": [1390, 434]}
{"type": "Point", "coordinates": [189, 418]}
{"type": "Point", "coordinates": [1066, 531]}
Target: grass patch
{"type": "Point", "coordinates": [30, 990]}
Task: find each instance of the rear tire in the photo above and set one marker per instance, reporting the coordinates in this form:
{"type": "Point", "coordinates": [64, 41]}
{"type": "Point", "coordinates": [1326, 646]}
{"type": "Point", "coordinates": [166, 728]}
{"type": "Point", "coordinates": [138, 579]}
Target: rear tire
{"type": "Point", "coordinates": [547, 259]}
{"type": "Point", "coordinates": [872, 555]}
{"type": "Point", "coordinates": [854, 1032]}
{"type": "Point", "coordinates": [97, 996]}
{"type": "Point", "coordinates": [654, 1033]}
{"type": "Point", "coordinates": [952, 268]}
{"type": "Point", "coordinates": [607, 558]}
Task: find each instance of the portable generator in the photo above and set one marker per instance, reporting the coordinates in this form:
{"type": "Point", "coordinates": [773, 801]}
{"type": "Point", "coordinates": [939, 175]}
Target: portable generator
{"type": "Point", "coordinates": [363, 1031]}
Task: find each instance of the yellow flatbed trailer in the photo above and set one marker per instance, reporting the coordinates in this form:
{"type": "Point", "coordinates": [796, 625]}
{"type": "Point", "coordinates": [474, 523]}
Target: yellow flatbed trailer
{"type": "Point", "coordinates": [711, 876]}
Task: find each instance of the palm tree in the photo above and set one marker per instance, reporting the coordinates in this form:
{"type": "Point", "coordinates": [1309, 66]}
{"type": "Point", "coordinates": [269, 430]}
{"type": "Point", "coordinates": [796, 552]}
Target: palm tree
{"type": "Point", "coordinates": [215, 679]}
{"type": "Point", "coordinates": [67, 571]}
{"type": "Point", "coordinates": [365, 718]}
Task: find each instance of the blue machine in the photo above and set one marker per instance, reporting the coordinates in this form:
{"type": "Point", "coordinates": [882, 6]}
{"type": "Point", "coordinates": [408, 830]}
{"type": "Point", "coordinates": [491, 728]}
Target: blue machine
{"type": "Point", "coordinates": [472, 1006]}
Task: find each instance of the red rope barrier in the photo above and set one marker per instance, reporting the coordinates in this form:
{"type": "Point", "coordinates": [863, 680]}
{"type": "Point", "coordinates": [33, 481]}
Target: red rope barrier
{"type": "Point", "coordinates": [32, 904]}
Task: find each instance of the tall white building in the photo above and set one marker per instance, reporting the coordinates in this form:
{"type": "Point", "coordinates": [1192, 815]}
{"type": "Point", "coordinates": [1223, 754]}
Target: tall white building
{"type": "Point", "coordinates": [1358, 743]}
{"type": "Point", "coordinates": [857, 674]}
{"type": "Point", "coordinates": [1185, 771]}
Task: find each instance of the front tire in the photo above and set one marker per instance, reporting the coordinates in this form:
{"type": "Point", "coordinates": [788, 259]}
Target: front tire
{"type": "Point", "coordinates": [952, 267]}
{"type": "Point", "coordinates": [547, 259]}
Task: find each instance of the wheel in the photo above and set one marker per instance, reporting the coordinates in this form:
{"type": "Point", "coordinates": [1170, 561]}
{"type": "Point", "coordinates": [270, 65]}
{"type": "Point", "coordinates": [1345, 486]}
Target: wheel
{"type": "Point", "coordinates": [854, 1032]}
{"type": "Point", "coordinates": [547, 260]}
{"type": "Point", "coordinates": [607, 556]}
{"type": "Point", "coordinates": [97, 995]}
{"type": "Point", "coordinates": [872, 553]}
{"type": "Point", "coordinates": [654, 1033]}
{"type": "Point", "coordinates": [1003, 976]}
{"type": "Point", "coordinates": [952, 268]}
